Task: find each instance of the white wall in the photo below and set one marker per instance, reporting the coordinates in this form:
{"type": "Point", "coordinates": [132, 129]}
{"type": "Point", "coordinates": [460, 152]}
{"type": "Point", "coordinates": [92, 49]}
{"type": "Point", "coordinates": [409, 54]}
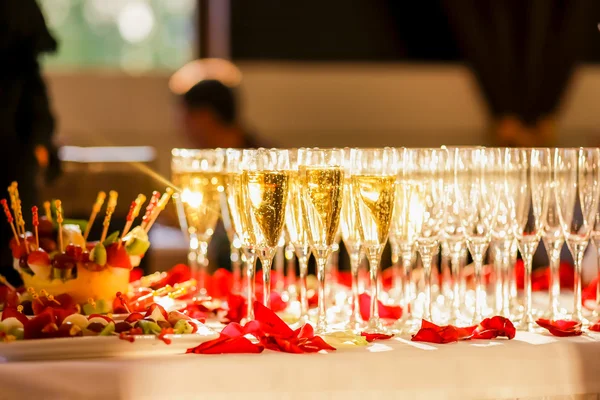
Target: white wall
{"type": "Point", "coordinates": [309, 105]}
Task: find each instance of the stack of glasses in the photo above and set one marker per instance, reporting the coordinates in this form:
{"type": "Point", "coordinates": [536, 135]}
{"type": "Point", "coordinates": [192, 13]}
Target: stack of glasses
{"type": "Point", "coordinates": [422, 200]}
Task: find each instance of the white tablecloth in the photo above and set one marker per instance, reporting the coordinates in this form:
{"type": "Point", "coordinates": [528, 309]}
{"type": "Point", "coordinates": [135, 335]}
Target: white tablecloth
{"type": "Point", "coordinates": [530, 366]}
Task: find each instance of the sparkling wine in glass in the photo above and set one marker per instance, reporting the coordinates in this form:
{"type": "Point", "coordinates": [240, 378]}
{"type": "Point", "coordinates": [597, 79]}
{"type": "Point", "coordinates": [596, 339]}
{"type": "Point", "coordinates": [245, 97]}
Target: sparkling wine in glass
{"type": "Point", "coordinates": [374, 174]}
{"type": "Point", "coordinates": [265, 189]}
{"type": "Point", "coordinates": [321, 182]}
{"type": "Point", "coordinates": [200, 176]}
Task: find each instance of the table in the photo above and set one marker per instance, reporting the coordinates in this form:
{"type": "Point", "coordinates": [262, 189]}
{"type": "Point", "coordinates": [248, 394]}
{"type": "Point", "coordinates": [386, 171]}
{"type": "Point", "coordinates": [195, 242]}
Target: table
{"type": "Point", "coordinates": [529, 366]}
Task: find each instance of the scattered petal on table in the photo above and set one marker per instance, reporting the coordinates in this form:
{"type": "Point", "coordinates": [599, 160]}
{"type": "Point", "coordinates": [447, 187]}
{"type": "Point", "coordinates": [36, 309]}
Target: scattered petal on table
{"type": "Point", "coordinates": [345, 339]}
{"type": "Point", "coordinates": [595, 327]}
{"type": "Point", "coordinates": [375, 336]}
{"type": "Point", "coordinates": [433, 333]}
{"type": "Point", "coordinates": [561, 327]}
{"type": "Point", "coordinates": [227, 345]}
{"type": "Point", "coordinates": [491, 328]}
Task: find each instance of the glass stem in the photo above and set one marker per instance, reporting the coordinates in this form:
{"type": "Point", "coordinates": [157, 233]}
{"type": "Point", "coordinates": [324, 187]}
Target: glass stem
{"type": "Point", "coordinates": [578, 261]}
{"type": "Point", "coordinates": [303, 264]}
{"type": "Point", "coordinates": [455, 267]}
{"type": "Point", "coordinates": [266, 270]}
{"type": "Point", "coordinates": [527, 313]}
{"type": "Point", "coordinates": [554, 247]}
{"type": "Point", "coordinates": [479, 291]}
{"type": "Point", "coordinates": [202, 255]}
{"type": "Point", "coordinates": [499, 281]}
{"type": "Point", "coordinates": [427, 260]}
{"type": "Point", "coordinates": [396, 274]}
{"type": "Point", "coordinates": [506, 299]}
{"type": "Point", "coordinates": [354, 265]}
{"type": "Point", "coordinates": [407, 290]}
{"type": "Point", "coordinates": [235, 269]}
{"type": "Point", "coordinates": [279, 269]}
{"type": "Point", "coordinates": [374, 257]}
{"type": "Point", "coordinates": [598, 280]}
{"type": "Point", "coordinates": [321, 317]}
{"type": "Point", "coordinates": [250, 285]}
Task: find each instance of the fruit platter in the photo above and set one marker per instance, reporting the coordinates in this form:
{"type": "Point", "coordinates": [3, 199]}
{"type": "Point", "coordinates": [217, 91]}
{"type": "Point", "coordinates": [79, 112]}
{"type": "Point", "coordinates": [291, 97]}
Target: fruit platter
{"type": "Point", "coordinates": [77, 300]}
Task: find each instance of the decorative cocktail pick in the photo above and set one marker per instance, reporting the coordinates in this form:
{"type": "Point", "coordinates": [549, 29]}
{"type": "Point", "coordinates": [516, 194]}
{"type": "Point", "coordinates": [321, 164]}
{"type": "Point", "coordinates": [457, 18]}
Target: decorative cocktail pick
{"type": "Point", "coordinates": [48, 211]}
{"type": "Point", "coordinates": [91, 302]}
{"type": "Point", "coordinates": [59, 221]}
{"type": "Point", "coordinates": [50, 297]}
{"type": "Point", "coordinates": [20, 308]}
{"type": "Point", "coordinates": [36, 223]}
{"type": "Point", "coordinates": [7, 283]}
{"type": "Point", "coordinates": [162, 204]}
{"type": "Point", "coordinates": [123, 301]}
{"type": "Point", "coordinates": [34, 295]}
{"type": "Point", "coordinates": [10, 220]}
{"type": "Point", "coordinates": [95, 210]}
{"type": "Point", "coordinates": [150, 209]}
{"type": "Point", "coordinates": [128, 222]}
{"type": "Point", "coordinates": [109, 212]}
{"type": "Point", "coordinates": [18, 211]}
{"type": "Point", "coordinates": [112, 199]}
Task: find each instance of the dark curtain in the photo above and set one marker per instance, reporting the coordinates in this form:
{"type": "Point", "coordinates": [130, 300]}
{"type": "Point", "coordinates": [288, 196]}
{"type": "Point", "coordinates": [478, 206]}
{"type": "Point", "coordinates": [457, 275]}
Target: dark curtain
{"type": "Point", "coordinates": [523, 53]}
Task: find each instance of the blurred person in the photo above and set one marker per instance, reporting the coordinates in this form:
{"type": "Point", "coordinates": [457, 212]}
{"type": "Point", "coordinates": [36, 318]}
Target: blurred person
{"type": "Point", "coordinates": [209, 118]}
{"type": "Point", "coordinates": [26, 120]}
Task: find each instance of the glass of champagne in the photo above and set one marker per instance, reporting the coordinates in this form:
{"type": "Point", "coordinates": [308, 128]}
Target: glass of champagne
{"type": "Point", "coordinates": [374, 174]}
{"type": "Point", "coordinates": [199, 175]}
{"type": "Point", "coordinates": [479, 202]}
{"type": "Point", "coordinates": [430, 178]}
{"type": "Point", "coordinates": [576, 174]}
{"type": "Point", "coordinates": [297, 232]}
{"type": "Point", "coordinates": [351, 237]}
{"type": "Point", "coordinates": [265, 190]}
{"type": "Point", "coordinates": [321, 180]}
{"type": "Point", "coordinates": [532, 205]}
{"type": "Point", "coordinates": [238, 218]}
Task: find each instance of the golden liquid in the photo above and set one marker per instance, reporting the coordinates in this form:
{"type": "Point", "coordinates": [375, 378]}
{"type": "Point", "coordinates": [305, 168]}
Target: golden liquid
{"type": "Point", "coordinates": [350, 223]}
{"type": "Point", "coordinates": [408, 213]}
{"type": "Point", "coordinates": [375, 204]}
{"type": "Point", "coordinates": [265, 194]}
{"type": "Point", "coordinates": [201, 202]}
{"type": "Point", "coordinates": [322, 193]}
{"type": "Point", "coordinates": [294, 221]}
{"type": "Point", "coordinates": [236, 207]}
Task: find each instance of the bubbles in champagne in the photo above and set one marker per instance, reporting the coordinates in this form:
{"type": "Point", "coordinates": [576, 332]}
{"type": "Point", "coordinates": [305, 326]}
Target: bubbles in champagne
{"type": "Point", "coordinates": [375, 204]}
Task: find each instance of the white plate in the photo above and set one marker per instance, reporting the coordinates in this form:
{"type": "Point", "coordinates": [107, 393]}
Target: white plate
{"type": "Point", "coordinates": [102, 346]}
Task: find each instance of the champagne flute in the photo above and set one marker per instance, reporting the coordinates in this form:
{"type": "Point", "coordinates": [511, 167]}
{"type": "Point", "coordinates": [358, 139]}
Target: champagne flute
{"type": "Point", "coordinates": [554, 240]}
{"type": "Point", "coordinates": [297, 232]}
{"type": "Point", "coordinates": [576, 173]}
{"type": "Point", "coordinates": [351, 237]}
{"type": "Point", "coordinates": [531, 210]}
{"type": "Point", "coordinates": [430, 178]}
{"type": "Point", "coordinates": [321, 180]}
{"type": "Point", "coordinates": [199, 174]}
{"type": "Point", "coordinates": [479, 202]}
{"type": "Point", "coordinates": [596, 240]}
{"type": "Point", "coordinates": [237, 211]}
{"type": "Point", "coordinates": [265, 189]}
{"type": "Point", "coordinates": [374, 174]}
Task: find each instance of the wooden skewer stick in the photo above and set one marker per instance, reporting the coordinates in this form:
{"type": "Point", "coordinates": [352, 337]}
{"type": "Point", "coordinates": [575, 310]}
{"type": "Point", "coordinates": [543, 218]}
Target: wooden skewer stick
{"type": "Point", "coordinates": [128, 222]}
{"type": "Point", "coordinates": [7, 283]}
{"type": "Point", "coordinates": [19, 220]}
{"type": "Point", "coordinates": [36, 223]}
{"type": "Point", "coordinates": [149, 209]}
{"type": "Point", "coordinates": [95, 210]}
{"type": "Point", "coordinates": [48, 211]}
{"type": "Point", "coordinates": [109, 212]}
{"type": "Point", "coordinates": [162, 204]}
{"type": "Point", "coordinates": [59, 220]}
{"type": "Point", "coordinates": [10, 220]}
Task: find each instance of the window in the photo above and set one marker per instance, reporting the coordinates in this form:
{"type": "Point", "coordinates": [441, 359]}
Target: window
{"type": "Point", "coordinates": [136, 35]}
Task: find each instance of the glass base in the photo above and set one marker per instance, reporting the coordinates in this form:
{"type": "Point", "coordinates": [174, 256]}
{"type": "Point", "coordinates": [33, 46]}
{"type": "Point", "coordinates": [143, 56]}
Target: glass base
{"type": "Point", "coordinates": [355, 326]}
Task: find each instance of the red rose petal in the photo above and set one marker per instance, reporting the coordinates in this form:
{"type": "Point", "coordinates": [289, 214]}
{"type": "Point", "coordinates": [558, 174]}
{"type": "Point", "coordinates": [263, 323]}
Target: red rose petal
{"type": "Point", "coordinates": [595, 327]}
{"type": "Point", "coordinates": [375, 336]}
{"type": "Point", "coordinates": [227, 345]}
{"type": "Point", "coordinates": [268, 317]}
{"type": "Point", "coordinates": [561, 328]}
{"type": "Point", "coordinates": [491, 328]}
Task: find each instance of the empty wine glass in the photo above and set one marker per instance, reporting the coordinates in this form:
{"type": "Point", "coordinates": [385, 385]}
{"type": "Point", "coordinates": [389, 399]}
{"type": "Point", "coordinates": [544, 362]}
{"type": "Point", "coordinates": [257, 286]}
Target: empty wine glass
{"type": "Point", "coordinates": [406, 223]}
{"type": "Point", "coordinates": [430, 176]}
{"type": "Point", "coordinates": [351, 236]}
{"type": "Point", "coordinates": [239, 221]}
{"type": "Point", "coordinates": [479, 201]}
{"type": "Point", "coordinates": [321, 181]}
{"type": "Point", "coordinates": [298, 232]}
{"type": "Point", "coordinates": [532, 207]}
{"type": "Point", "coordinates": [576, 174]}
{"type": "Point", "coordinates": [199, 174]}
{"type": "Point", "coordinates": [374, 174]}
{"type": "Point", "coordinates": [554, 240]}
{"type": "Point", "coordinates": [265, 190]}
